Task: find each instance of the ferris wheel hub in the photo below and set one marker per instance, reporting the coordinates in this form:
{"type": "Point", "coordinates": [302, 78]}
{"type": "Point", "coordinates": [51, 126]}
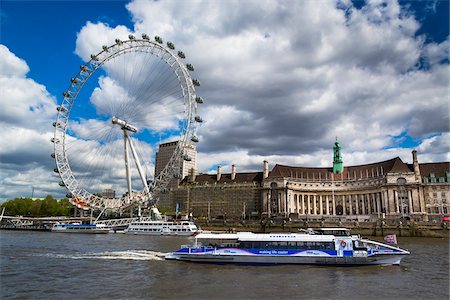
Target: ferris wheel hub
{"type": "Point", "coordinates": [124, 124]}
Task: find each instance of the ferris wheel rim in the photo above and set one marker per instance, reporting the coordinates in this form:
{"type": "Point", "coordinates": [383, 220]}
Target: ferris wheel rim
{"type": "Point", "coordinates": [186, 83]}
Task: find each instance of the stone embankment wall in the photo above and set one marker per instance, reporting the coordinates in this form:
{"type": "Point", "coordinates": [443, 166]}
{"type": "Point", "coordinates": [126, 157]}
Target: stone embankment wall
{"type": "Point", "coordinates": [412, 229]}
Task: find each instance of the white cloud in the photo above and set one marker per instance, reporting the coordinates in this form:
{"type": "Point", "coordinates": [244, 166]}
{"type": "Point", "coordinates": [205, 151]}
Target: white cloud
{"type": "Point", "coordinates": [11, 65]}
{"type": "Point", "coordinates": [92, 37]}
{"type": "Point", "coordinates": [282, 79]}
{"type": "Point", "coordinates": [26, 114]}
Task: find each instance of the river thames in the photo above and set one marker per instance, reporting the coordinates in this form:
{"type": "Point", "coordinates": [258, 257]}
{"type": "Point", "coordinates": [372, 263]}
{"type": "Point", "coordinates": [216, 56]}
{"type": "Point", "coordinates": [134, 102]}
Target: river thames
{"type": "Point", "coordinates": [44, 265]}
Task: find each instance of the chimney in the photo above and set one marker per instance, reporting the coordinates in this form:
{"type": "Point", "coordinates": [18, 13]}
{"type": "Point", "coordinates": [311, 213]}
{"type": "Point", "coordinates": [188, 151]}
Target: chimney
{"type": "Point", "coordinates": [233, 172]}
{"type": "Point", "coordinates": [219, 172]}
{"type": "Point", "coordinates": [192, 175]}
{"type": "Point", "coordinates": [266, 169]}
{"type": "Point", "coordinates": [416, 166]}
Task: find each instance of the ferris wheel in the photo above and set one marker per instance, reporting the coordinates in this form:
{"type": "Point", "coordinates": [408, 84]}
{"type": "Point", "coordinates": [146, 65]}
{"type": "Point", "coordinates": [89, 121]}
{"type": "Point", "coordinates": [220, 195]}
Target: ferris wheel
{"type": "Point", "coordinates": [120, 105]}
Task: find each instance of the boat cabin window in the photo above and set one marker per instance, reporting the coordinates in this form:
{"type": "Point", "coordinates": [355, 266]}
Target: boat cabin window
{"type": "Point", "coordinates": [335, 232]}
{"type": "Point", "coordinates": [218, 243]}
{"type": "Point", "coordinates": [359, 246]}
{"type": "Point", "coordinates": [288, 245]}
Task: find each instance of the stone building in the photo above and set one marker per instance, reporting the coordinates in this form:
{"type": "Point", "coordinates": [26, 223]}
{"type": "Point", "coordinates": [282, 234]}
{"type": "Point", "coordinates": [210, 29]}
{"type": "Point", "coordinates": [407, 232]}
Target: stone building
{"type": "Point", "coordinates": [389, 189]}
{"type": "Point", "coordinates": [233, 195]}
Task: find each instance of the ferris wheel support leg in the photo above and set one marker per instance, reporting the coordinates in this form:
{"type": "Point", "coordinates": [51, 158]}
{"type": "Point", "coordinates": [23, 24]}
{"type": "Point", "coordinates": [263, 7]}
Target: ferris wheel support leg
{"type": "Point", "coordinates": [127, 164]}
{"type": "Point", "coordinates": [138, 165]}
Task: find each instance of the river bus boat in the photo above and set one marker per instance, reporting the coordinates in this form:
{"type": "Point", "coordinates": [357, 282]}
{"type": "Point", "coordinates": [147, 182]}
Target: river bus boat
{"type": "Point", "coordinates": [79, 228]}
{"type": "Point", "coordinates": [325, 246]}
{"type": "Point", "coordinates": [161, 227]}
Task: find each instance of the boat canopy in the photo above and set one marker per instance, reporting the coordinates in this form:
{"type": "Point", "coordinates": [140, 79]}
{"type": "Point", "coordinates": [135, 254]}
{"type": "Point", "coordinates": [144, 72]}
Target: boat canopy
{"type": "Point", "coordinates": [254, 237]}
{"type": "Point", "coordinates": [217, 236]}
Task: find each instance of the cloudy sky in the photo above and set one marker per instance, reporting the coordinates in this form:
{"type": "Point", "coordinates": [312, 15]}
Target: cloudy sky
{"type": "Point", "coordinates": [280, 79]}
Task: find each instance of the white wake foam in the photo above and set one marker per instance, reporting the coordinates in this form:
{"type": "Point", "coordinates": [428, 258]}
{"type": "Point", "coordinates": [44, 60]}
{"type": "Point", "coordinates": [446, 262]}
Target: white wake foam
{"type": "Point", "coordinates": [128, 255]}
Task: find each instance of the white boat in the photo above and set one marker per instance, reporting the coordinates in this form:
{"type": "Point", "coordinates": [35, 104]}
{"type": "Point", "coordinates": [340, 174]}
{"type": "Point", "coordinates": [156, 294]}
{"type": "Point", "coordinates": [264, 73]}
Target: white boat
{"type": "Point", "coordinates": [152, 227]}
{"type": "Point", "coordinates": [325, 246]}
{"type": "Point", "coordinates": [157, 224]}
{"type": "Point", "coordinates": [79, 228]}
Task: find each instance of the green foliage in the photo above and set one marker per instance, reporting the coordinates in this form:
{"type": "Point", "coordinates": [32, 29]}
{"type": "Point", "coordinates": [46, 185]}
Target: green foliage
{"type": "Point", "coordinates": [47, 207]}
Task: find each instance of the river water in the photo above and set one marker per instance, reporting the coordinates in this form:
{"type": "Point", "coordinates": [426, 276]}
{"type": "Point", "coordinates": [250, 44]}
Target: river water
{"type": "Point", "coordinates": [45, 265]}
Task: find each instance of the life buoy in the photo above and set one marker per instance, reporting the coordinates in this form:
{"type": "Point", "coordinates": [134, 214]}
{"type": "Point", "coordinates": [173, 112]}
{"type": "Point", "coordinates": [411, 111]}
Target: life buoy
{"type": "Point", "coordinates": [343, 244]}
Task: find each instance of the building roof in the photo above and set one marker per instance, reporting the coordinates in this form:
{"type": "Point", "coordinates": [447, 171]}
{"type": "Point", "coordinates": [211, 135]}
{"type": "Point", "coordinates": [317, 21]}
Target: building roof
{"type": "Point", "coordinates": [226, 178]}
{"type": "Point", "coordinates": [438, 169]}
{"type": "Point", "coordinates": [395, 165]}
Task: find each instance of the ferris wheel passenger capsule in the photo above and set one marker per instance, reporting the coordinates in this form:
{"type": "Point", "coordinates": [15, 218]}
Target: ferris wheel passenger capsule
{"type": "Point", "coordinates": [94, 57]}
{"type": "Point", "coordinates": [158, 39]}
{"type": "Point", "coordinates": [61, 108]}
{"type": "Point", "coordinates": [69, 195]}
{"type": "Point", "coordinates": [52, 155]}
{"type": "Point", "coordinates": [55, 170]}
{"type": "Point", "coordinates": [118, 42]}
{"type": "Point", "coordinates": [74, 80]}
{"type": "Point", "coordinates": [131, 37]}
{"type": "Point", "coordinates": [199, 100]}
{"type": "Point", "coordinates": [53, 140]}
{"type": "Point", "coordinates": [181, 54]}
{"type": "Point", "coordinates": [83, 68]}
{"type": "Point", "coordinates": [198, 119]}
{"type": "Point", "coordinates": [196, 82]}
{"type": "Point", "coordinates": [190, 67]}
{"type": "Point", "coordinates": [66, 94]}
{"type": "Point", "coordinates": [171, 45]}
{"type": "Point", "coordinates": [57, 124]}
{"type": "Point", "coordinates": [187, 158]}
{"type": "Point", "coordinates": [145, 36]}
{"type": "Point", "coordinates": [61, 183]}
{"type": "Point", "coordinates": [104, 47]}
{"type": "Point", "coordinates": [194, 139]}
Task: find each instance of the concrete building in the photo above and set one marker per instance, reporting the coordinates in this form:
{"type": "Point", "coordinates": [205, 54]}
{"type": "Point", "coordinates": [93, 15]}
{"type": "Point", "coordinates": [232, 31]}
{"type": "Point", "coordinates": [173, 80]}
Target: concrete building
{"type": "Point", "coordinates": [188, 163]}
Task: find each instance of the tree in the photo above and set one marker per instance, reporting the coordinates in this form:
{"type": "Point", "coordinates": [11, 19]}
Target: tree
{"type": "Point", "coordinates": [38, 208]}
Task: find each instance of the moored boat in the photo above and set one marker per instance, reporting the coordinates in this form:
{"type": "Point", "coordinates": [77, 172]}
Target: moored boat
{"type": "Point", "coordinates": [79, 228]}
{"type": "Point", "coordinates": [325, 246]}
{"type": "Point", "coordinates": [158, 225]}
{"type": "Point", "coordinates": [155, 227]}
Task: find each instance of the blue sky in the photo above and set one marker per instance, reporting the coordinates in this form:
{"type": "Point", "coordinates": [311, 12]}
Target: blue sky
{"type": "Point", "coordinates": [280, 79]}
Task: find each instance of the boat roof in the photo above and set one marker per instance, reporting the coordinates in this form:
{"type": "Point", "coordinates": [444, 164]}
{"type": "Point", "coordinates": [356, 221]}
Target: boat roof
{"type": "Point", "coordinates": [331, 229]}
{"type": "Point", "coordinates": [282, 237]}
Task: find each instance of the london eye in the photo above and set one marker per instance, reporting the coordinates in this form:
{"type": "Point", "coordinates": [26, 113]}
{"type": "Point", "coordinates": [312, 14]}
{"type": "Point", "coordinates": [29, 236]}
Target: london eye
{"type": "Point", "coordinates": [121, 104]}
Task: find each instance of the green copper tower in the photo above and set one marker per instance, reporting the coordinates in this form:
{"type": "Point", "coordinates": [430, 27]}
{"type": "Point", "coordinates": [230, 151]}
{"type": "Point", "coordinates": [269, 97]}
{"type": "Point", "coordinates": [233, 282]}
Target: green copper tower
{"type": "Point", "coordinates": [338, 167]}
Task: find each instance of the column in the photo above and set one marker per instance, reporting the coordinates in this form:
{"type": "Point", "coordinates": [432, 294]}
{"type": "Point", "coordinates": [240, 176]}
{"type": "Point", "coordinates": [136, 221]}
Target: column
{"type": "Point", "coordinates": [396, 202]}
{"type": "Point", "coordinates": [363, 207]}
{"type": "Point", "coordinates": [303, 204]}
{"type": "Point", "coordinates": [416, 197]}
{"type": "Point", "coordinates": [377, 204]}
{"type": "Point", "coordinates": [369, 206]}
{"type": "Point", "coordinates": [321, 204]}
{"type": "Point", "coordinates": [350, 202]}
{"type": "Point", "coordinates": [314, 199]}
{"type": "Point", "coordinates": [386, 201]}
{"type": "Point", "coordinates": [327, 204]}
{"type": "Point", "coordinates": [357, 203]}
{"type": "Point", "coordinates": [334, 206]}
{"type": "Point", "coordinates": [411, 208]}
{"type": "Point", "coordinates": [309, 204]}
{"type": "Point", "coordinates": [343, 205]}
